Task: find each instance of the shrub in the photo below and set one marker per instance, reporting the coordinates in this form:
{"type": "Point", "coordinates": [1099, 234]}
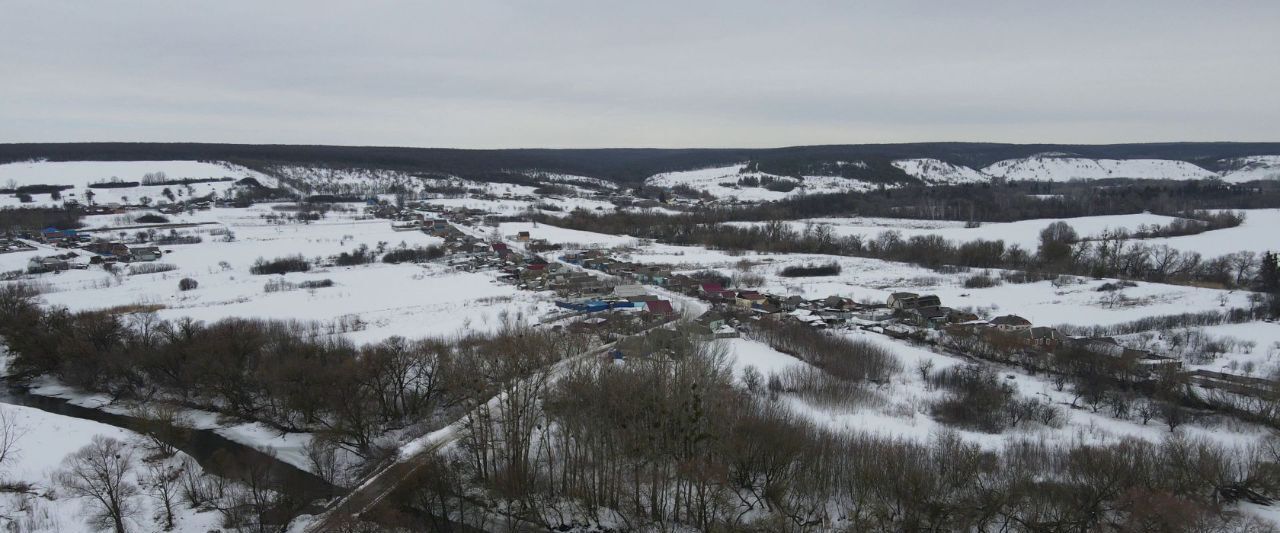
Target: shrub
{"type": "Point", "coordinates": [1115, 286]}
{"type": "Point", "coordinates": [1019, 276]}
{"type": "Point", "coordinates": [150, 268]}
{"type": "Point", "coordinates": [978, 399]}
{"type": "Point", "coordinates": [278, 285]}
{"type": "Point", "coordinates": [359, 256]}
{"type": "Point", "coordinates": [280, 265]}
{"type": "Point", "coordinates": [781, 185]}
{"type": "Point", "coordinates": [811, 270]}
{"type": "Point", "coordinates": [187, 284]}
{"type": "Point", "coordinates": [316, 284]}
{"type": "Point", "coordinates": [151, 218]}
{"type": "Point", "coordinates": [413, 255]}
{"type": "Point", "coordinates": [981, 281]}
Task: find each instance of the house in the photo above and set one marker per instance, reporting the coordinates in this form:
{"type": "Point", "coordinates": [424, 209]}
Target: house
{"type": "Point", "coordinates": [930, 317]}
{"type": "Point", "coordinates": [683, 284]}
{"type": "Point", "coordinates": [713, 320]}
{"type": "Point", "coordinates": [55, 235]}
{"type": "Point", "coordinates": [710, 288]}
{"type": "Point", "coordinates": [791, 303]}
{"type": "Point", "coordinates": [929, 300]}
{"type": "Point", "coordinates": [626, 291]}
{"type": "Point", "coordinates": [748, 299]}
{"type": "Point", "coordinates": [956, 316]}
{"type": "Point", "coordinates": [37, 265]}
{"type": "Point", "coordinates": [766, 307]}
{"type": "Point", "coordinates": [144, 253]}
{"type": "Point", "coordinates": [660, 307]}
{"type": "Point", "coordinates": [522, 236]}
{"type": "Point", "coordinates": [406, 225]}
{"type": "Point", "coordinates": [1010, 323]}
{"type": "Point", "coordinates": [657, 344]}
{"type": "Point", "coordinates": [1044, 337]}
{"type": "Point", "coordinates": [902, 300]}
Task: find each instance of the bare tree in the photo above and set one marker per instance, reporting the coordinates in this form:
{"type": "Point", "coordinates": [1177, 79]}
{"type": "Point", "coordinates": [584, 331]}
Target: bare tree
{"type": "Point", "coordinates": [101, 472]}
{"type": "Point", "coordinates": [163, 483]}
{"type": "Point", "coordinates": [10, 434]}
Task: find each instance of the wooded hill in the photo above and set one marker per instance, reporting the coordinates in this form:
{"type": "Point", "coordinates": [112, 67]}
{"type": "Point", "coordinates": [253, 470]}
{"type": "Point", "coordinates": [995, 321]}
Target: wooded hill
{"type": "Point", "coordinates": [627, 165]}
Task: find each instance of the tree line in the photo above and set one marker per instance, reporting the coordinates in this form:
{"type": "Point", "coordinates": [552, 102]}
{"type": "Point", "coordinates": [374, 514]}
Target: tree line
{"type": "Point", "coordinates": [1061, 250]}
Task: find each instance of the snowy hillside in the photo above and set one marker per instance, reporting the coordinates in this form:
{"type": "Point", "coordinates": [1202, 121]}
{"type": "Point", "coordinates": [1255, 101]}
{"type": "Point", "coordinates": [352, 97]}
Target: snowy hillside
{"type": "Point", "coordinates": [1257, 167]}
{"type": "Point", "coordinates": [1050, 168]}
{"type": "Point", "coordinates": [79, 175]}
{"type": "Point", "coordinates": [940, 172]}
{"type": "Point", "coordinates": [727, 183]}
{"type": "Point", "coordinates": [83, 173]}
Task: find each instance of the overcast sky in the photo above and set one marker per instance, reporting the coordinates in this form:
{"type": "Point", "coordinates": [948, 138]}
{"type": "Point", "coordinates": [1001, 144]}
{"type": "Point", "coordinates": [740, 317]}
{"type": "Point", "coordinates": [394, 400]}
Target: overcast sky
{"type": "Point", "coordinates": [477, 74]}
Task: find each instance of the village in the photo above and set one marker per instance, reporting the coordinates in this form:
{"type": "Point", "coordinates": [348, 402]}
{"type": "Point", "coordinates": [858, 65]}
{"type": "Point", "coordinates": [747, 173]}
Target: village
{"type": "Point", "coordinates": [618, 296]}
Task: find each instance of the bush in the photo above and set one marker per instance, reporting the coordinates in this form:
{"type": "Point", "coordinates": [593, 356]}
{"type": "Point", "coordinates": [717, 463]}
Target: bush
{"type": "Point", "coordinates": [316, 284]}
{"type": "Point", "coordinates": [151, 218]}
{"type": "Point", "coordinates": [981, 281]}
{"type": "Point", "coordinates": [359, 256]}
{"type": "Point", "coordinates": [187, 284]}
{"type": "Point", "coordinates": [281, 265]}
{"type": "Point", "coordinates": [978, 399]}
{"type": "Point", "coordinates": [829, 269]}
{"type": "Point", "coordinates": [1019, 277]}
{"type": "Point", "coordinates": [781, 185]}
{"type": "Point", "coordinates": [150, 268]}
{"type": "Point", "coordinates": [1115, 286]}
{"type": "Point", "coordinates": [278, 285]}
{"type": "Point", "coordinates": [413, 255]}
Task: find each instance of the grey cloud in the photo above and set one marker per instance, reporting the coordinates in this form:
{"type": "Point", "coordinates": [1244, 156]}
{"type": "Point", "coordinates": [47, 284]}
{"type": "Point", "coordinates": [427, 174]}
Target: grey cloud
{"type": "Point", "coordinates": [580, 73]}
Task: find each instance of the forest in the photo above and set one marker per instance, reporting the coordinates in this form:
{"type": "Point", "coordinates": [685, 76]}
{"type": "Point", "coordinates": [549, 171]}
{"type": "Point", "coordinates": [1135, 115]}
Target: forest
{"type": "Point", "coordinates": [621, 165]}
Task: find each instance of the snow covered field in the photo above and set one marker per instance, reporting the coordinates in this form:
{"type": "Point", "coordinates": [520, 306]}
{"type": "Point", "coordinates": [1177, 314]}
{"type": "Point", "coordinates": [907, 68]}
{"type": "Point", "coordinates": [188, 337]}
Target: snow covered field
{"type": "Point", "coordinates": [1256, 234]}
{"type": "Point", "coordinates": [1024, 233]}
{"type": "Point", "coordinates": [366, 303]}
{"type": "Point", "coordinates": [1043, 303]}
{"type": "Point", "coordinates": [80, 174]}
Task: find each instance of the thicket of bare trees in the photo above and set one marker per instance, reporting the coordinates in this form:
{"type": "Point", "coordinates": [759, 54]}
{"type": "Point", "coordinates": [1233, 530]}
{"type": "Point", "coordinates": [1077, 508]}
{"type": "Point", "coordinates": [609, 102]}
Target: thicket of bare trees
{"type": "Point", "coordinates": [1061, 251]}
{"type": "Point", "coordinates": [677, 443]}
{"type": "Point", "coordinates": [265, 371]}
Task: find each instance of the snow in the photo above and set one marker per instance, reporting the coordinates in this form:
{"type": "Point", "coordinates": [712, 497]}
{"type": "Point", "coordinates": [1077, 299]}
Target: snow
{"type": "Point", "coordinates": [1257, 167]}
{"type": "Point", "coordinates": [1024, 233]}
{"type": "Point", "coordinates": [564, 236]}
{"type": "Point", "coordinates": [46, 439]}
{"type": "Point", "coordinates": [710, 180]}
{"type": "Point", "coordinates": [1053, 168]}
{"type": "Point", "coordinates": [1257, 234]}
{"type": "Point", "coordinates": [743, 353]}
{"type": "Point", "coordinates": [406, 300]}
{"type": "Point", "coordinates": [902, 411]}
{"type": "Point", "coordinates": [939, 172]}
{"type": "Point", "coordinates": [862, 279]}
{"type": "Point", "coordinates": [80, 174]}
